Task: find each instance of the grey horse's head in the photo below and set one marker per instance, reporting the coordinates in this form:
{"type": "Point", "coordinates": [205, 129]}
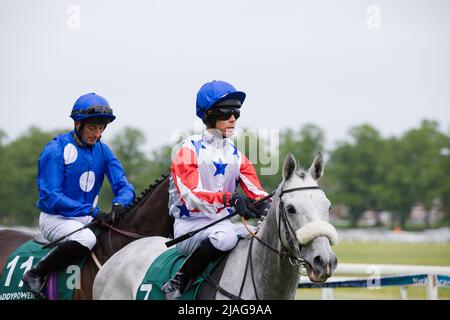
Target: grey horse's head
{"type": "Point", "coordinates": [307, 211]}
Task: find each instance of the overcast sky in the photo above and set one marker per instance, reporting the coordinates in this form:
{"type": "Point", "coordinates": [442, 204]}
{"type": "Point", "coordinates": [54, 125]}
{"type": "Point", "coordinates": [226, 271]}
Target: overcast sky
{"type": "Point", "coordinates": [336, 64]}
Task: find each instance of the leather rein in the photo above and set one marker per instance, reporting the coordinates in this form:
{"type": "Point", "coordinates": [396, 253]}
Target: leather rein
{"type": "Point", "coordinates": [124, 233]}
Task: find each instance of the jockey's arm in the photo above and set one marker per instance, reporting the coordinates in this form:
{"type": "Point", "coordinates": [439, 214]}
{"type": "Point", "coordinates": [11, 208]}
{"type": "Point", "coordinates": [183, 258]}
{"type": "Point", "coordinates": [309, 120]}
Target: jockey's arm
{"type": "Point", "coordinates": [122, 189]}
{"type": "Point", "coordinates": [184, 171]}
{"type": "Point", "coordinates": [248, 180]}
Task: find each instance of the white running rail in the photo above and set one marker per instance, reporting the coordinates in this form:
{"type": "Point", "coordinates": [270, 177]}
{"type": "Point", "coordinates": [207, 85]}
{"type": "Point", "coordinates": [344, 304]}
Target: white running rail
{"type": "Point", "coordinates": [371, 275]}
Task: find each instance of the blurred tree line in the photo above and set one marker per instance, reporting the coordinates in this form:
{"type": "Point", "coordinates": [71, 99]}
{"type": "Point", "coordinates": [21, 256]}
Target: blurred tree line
{"type": "Point", "coordinates": [366, 171]}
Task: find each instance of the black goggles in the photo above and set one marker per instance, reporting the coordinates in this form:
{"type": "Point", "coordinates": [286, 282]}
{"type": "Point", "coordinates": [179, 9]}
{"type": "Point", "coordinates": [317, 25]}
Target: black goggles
{"type": "Point", "coordinates": [226, 113]}
{"type": "Point", "coordinates": [95, 110]}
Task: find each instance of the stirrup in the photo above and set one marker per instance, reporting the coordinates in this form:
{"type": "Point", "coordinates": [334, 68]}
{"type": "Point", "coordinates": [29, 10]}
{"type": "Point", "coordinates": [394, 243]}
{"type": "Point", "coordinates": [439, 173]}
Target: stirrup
{"type": "Point", "coordinates": [40, 292]}
{"type": "Point", "coordinates": [172, 289]}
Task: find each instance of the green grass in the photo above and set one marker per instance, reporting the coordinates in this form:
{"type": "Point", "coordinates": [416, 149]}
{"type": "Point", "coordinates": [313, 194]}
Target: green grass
{"type": "Point", "coordinates": [435, 254]}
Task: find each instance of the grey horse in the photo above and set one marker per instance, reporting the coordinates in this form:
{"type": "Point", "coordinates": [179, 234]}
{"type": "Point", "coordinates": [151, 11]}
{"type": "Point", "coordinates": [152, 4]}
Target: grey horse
{"type": "Point", "coordinates": [295, 234]}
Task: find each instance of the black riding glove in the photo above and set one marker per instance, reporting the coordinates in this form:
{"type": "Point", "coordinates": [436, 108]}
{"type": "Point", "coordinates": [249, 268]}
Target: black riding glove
{"type": "Point", "coordinates": [262, 207]}
{"type": "Point", "coordinates": [103, 217]}
{"type": "Point", "coordinates": [117, 212]}
{"type": "Point", "coordinates": [243, 205]}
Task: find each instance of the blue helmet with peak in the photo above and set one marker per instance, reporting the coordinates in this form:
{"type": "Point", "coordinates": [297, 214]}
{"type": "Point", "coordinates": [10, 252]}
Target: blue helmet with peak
{"type": "Point", "coordinates": [214, 92]}
{"type": "Point", "coordinates": [94, 107]}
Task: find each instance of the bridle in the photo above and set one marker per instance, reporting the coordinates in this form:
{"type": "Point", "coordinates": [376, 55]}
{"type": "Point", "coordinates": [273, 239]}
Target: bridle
{"type": "Point", "coordinates": [290, 250]}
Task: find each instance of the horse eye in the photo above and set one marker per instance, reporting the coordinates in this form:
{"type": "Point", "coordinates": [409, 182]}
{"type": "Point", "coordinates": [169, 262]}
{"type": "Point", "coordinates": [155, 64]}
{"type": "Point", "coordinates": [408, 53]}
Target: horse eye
{"type": "Point", "coordinates": [291, 209]}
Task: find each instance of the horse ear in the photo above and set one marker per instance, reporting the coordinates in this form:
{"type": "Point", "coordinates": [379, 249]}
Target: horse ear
{"type": "Point", "coordinates": [289, 166]}
{"type": "Point", "coordinates": [317, 167]}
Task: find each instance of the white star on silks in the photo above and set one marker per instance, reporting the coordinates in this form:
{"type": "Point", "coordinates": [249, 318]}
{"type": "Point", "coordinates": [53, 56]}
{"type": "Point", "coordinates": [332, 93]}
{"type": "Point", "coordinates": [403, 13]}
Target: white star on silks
{"type": "Point", "coordinates": [220, 167]}
{"type": "Point", "coordinates": [198, 145]}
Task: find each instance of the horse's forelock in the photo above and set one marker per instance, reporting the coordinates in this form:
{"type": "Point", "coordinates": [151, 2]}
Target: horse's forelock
{"type": "Point", "coordinates": [302, 173]}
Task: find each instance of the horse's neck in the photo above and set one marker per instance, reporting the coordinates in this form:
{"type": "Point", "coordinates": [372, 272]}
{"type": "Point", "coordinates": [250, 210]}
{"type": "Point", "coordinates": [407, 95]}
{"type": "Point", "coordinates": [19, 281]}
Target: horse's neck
{"type": "Point", "coordinates": [147, 217]}
{"type": "Point", "coordinates": [151, 213]}
{"type": "Point", "coordinates": [282, 275]}
{"type": "Point", "coordinates": [110, 241]}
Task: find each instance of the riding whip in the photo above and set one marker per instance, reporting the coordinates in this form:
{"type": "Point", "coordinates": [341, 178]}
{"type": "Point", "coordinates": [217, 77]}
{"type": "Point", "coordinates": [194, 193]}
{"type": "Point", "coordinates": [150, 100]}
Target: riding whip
{"type": "Point", "coordinates": [51, 244]}
{"type": "Point", "coordinates": [192, 233]}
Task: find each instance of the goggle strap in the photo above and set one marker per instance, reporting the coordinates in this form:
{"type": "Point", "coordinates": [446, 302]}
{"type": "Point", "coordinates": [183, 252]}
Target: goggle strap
{"type": "Point", "coordinates": [94, 110]}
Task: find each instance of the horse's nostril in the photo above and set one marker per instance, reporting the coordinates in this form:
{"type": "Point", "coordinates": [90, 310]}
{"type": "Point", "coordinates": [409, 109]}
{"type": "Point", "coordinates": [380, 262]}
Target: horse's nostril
{"type": "Point", "coordinates": [318, 262]}
{"type": "Point", "coordinates": [334, 262]}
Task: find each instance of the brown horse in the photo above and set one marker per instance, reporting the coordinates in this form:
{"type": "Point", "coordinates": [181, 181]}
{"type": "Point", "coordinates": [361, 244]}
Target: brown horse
{"type": "Point", "coordinates": [147, 216]}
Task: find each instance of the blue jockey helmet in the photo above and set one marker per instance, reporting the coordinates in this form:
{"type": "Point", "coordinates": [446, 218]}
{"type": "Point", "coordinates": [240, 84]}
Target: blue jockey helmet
{"type": "Point", "coordinates": [94, 107]}
{"type": "Point", "coordinates": [214, 92]}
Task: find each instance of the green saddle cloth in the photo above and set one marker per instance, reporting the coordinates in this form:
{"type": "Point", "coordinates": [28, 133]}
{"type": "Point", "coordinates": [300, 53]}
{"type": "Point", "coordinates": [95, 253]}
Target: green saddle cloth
{"type": "Point", "coordinates": [60, 284]}
{"type": "Point", "coordinates": [163, 269]}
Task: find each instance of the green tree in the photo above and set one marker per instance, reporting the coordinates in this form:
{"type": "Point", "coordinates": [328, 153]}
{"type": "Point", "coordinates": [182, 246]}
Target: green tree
{"type": "Point", "coordinates": [356, 169]}
{"type": "Point", "coordinates": [127, 145]}
{"type": "Point", "coordinates": [254, 148]}
{"type": "Point", "coordinates": [303, 143]}
{"type": "Point", "coordinates": [420, 172]}
{"type": "Point", "coordinates": [141, 170]}
{"type": "Point", "coordinates": [2, 137]}
{"type": "Point", "coordinates": [18, 190]}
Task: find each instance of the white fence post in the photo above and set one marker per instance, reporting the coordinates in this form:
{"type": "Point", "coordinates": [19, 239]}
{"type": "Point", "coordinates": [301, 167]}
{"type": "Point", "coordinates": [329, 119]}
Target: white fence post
{"type": "Point", "coordinates": [327, 294]}
{"type": "Point", "coordinates": [432, 290]}
{"type": "Point", "coordinates": [404, 292]}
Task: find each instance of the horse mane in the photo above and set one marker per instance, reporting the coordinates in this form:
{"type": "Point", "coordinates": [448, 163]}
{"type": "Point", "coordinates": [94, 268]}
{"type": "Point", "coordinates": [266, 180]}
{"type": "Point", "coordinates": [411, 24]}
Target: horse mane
{"type": "Point", "coordinates": [147, 191]}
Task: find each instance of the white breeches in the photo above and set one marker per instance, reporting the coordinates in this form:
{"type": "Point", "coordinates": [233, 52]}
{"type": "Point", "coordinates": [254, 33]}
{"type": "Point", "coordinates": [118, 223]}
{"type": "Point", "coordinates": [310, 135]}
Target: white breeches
{"type": "Point", "coordinates": [223, 235]}
{"type": "Point", "coordinates": [54, 227]}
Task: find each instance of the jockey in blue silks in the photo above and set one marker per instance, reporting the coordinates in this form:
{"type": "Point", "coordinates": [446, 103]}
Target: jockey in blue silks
{"type": "Point", "coordinates": [71, 169]}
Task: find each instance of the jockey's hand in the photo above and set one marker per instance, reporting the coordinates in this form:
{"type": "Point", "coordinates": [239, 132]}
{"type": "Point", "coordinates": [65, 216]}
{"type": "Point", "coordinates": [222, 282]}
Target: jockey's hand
{"type": "Point", "coordinates": [262, 207]}
{"type": "Point", "coordinates": [103, 217]}
{"type": "Point", "coordinates": [243, 205]}
{"type": "Point", "coordinates": [117, 212]}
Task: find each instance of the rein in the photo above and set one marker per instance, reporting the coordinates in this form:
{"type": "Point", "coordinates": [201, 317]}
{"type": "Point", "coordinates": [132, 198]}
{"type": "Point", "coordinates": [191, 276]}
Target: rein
{"type": "Point", "coordinates": [125, 233]}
